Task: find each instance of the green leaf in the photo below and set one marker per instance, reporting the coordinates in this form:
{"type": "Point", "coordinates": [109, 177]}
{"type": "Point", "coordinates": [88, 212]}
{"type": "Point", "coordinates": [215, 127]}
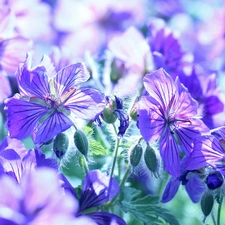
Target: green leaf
{"type": "Point", "coordinates": [148, 210]}
{"type": "Point", "coordinates": [88, 131]}
{"type": "Point", "coordinates": [96, 148]}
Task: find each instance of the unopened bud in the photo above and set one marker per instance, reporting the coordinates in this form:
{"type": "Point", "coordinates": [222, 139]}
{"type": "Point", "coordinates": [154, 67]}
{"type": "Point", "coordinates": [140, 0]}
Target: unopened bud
{"type": "Point", "coordinates": [60, 145]}
{"type": "Point", "coordinates": [133, 112]}
{"type": "Point", "coordinates": [214, 180]}
{"type": "Point", "coordinates": [109, 116]}
{"type": "Point", "coordinates": [135, 154]}
{"type": "Point", "coordinates": [207, 202]}
{"type": "Point", "coordinates": [81, 142]}
{"type": "Point", "coordinates": [152, 159]}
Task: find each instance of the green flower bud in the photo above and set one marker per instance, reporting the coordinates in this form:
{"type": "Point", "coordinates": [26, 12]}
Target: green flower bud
{"type": "Point", "coordinates": [152, 159]}
{"type": "Point", "coordinates": [109, 116]}
{"type": "Point", "coordinates": [81, 142]}
{"type": "Point", "coordinates": [207, 203]}
{"type": "Point", "coordinates": [133, 113]}
{"type": "Point", "coordinates": [135, 154]}
{"type": "Point", "coordinates": [60, 145]}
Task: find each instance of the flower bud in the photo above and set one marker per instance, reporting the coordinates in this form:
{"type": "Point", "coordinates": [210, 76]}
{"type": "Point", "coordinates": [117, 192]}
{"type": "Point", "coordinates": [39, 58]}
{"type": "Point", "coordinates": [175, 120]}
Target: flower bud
{"type": "Point", "coordinates": [60, 145]}
{"type": "Point", "coordinates": [81, 142]}
{"type": "Point", "coordinates": [109, 116]}
{"type": "Point", "coordinates": [214, 180]}
{"type": "Point", "coordinates": [133, 113]}
{"type": "Point", "coordinates": [135, 154]}
{"type": "Point", "coordinates": [207, 202]}
{"type": "Point", "coordinates": [152, 159]}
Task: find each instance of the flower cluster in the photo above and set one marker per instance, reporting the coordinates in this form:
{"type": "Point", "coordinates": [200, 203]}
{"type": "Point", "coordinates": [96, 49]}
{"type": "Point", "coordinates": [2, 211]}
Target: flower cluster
{"type": "Point", "coordinates": [100, 101]}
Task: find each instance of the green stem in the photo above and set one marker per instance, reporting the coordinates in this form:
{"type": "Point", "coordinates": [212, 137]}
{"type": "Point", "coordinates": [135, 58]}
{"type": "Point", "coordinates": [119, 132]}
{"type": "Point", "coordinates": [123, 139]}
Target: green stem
{"type": "Point", "coordinates": [85, 165]}
{"type": "Point", "coordinates": [213, 218]}
{"type": "Point", "coordinates": [116, 152]}
{"type": "Point", "coordinates": [124, 178]}
{"type": "Point", "coordinates": [219, 211]}
{"type": "Point", "coordinates": [121, 184]}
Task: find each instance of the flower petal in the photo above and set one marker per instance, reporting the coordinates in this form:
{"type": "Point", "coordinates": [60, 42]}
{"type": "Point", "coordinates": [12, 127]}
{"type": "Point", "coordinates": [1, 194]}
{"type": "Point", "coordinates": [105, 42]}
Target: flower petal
{"type": "Point", "coordinates": [97, 189]}
{"type": "Point", "coordinates": [170, 153]}
{"type": "Point", "coordinates": [56, 123]}
{"type": "Point", "coordinates": [171, 189]}
{"type": "Point", "coordinates": [150, 118]}
{"type": "Point", "coordinates": [161, 87]}
{"type": "Point", "coordinates": [105, 218]}
{"type": "Point", "coordinates": [85, 103]}
{"type": "Point", "coordinates": [22, 116]}
{"type": "Point", "coordinates": [70, 76]}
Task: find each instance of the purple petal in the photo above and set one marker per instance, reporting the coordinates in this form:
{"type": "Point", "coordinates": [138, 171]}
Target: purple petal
{"type": "Point", "coordinates": [161, 87]}
{"type": "Point", "coordinates": [97, 189]}
{"type": "Point", "coordinates": [56, 123]}
{"type": "Point", "coordinates": [186, 135]}
{"type": "Point", "coordinates": [207, 150]}
{"type": "Point", "coordinates": [213, 105]}
{"type": "Point", "coordinates": [219, 132]}
{"type": "Point", "coordinates": [195, 187]}
{"type": "Point", "coordinates": [70, 76]}
{"type": "Point", "coordinates": [170, 154]}
{"type": "Point", "coordinates": [171, 189]}
{"type": "Point", "coordinates": [151, 120]}
{"type": "Point", "coordinates": [5, 89]}
{"type": "Point", "coordinates": [22, 117]}
{"type": "Point", "coordinates": [34, 83]}
{"type": "Point", "coordinates": [67, 186]}
{"type": "Point", "coordinates": [85, 103]}
{"type": "Point", "coordinates": [185, 106]}
{"type": "Point", "coordinates": [105, 218]}
{"type": "Point", "coordinates": [13, 51]}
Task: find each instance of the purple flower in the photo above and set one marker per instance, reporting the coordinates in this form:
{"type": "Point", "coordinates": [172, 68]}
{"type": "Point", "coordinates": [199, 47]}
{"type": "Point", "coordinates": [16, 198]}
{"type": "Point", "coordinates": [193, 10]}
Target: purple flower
{"type": "Point", "coordinates": [209, 150]}
{"type": "Point", "coordinates": [97, 190]}
{"type": "Point", "coordinates": [47, 105]}
{"type": "Point", "coordinates": [37, 200]}
{"type": "Point", "coordinates": [193, 184]}
{"type": "Point", "coordinates": [169, 115]}
{"type": "Point", "coordinates": [166, 49]}
{"type": "Point", "coordinates": [15, 160]}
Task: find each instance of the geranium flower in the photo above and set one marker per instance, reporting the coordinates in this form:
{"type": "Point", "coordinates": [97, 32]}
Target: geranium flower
{"type": "Point", "coordinates": [209, 150]}
{"type": "Point", "coordinates": [39, 199]}
{"type": "Point", "coordinates": [169, 115]}
{"type": "Point", "coordinates": [97, 190]}
{"type": "Point", "coordinates": [48, 103]}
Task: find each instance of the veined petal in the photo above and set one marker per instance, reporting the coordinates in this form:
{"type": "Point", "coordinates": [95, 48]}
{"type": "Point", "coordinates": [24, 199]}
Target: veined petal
{"type": "Point", "coordinates": [22, 116]}
{"type": "Point", "coordinates": [105, 218]}
{"type": "Point", "coordinates": [219, 132]}
{"type": "Point", "coordinates": [185, 106]}
{"type": "Point", "coordinates": [207, 150]}
{"type": "Point", "coordinates": [161, 87]}
{"type": "Point", "coordinates": [186, 135]}
{"type": "Point", "coordinates": [85, 103]}
{"type": "Point", "coordinates": [151, 121]}
{"type": "Point", "coordinates": [35, 82]}
{"type": "Point", "coordinates": [195, 187]}
{"type": "Point", "coordinates": [97, 189]}
{"type": "Point", "coordinates": [70, 76]}
{"type": "Point", "coordinates": [171, 189]}
{"type": "Point", "coordinates": [170, 153]}
{"type": "Point", "coordinates": [56, 123]}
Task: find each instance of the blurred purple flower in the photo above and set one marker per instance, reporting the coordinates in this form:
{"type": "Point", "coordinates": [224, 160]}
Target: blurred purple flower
{"type": "Point", "coordinates": [95, 21]}
{"type": "Point", "coordinates": [209, 150]}
{"type": "Point", "coordinates": [97, 190]}
{"type": "Point", "coordinates": [169, 115]}
{"type": "Point", "coordinates": [37, 200]}
{"type": "Point", "coordinates": [5, 89]}
{"type": "Point", "coordinates": [204, 89]}
{"type": "Point", "coordinates": [26, 13]}
{"type": "Point", "coordinates": [48, 103]}
{"type": "Point", "coordinates": [15, 160]}
{"type": "Point", "coordinates": [166, 49]}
